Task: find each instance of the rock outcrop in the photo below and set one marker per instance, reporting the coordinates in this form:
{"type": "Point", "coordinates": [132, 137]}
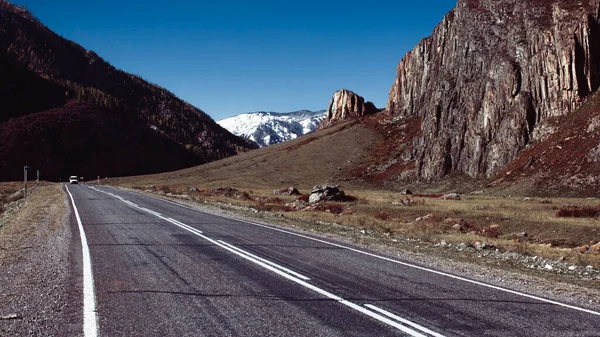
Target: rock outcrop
{"type": "Point", "coordinates": [491, 74]}
{"type": "Point", "coordinates": [344, 105]}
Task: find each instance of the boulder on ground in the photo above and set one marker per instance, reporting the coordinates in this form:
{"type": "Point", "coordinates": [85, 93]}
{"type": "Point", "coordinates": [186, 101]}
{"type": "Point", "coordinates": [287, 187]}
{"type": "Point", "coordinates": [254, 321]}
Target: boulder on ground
{"type": "Point", "coordinates": [326, 193]}
{"type": "Point", "coordinates": [589, 249]}
{"type": "Point", "coordinates": [18, 195]}
{"type": "Point", "coordinates": [287, 191]}
{"type": "Point", "coordinates": [428, 217]}
{"type": "Point", "coordinates": [450, 196]}
{"type": "Point", "coordinates": [297, 205]}
{"type": "Point", "coordinates": [406, 192]}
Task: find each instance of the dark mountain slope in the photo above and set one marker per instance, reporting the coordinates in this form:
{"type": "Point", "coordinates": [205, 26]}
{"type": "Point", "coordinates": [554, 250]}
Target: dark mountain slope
{"type": "Point", "coordinates": [40, 70]}
{"type": "Point", "coordinates": [82, 139]}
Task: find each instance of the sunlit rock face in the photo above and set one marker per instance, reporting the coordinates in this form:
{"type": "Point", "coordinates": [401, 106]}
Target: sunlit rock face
{"type": "Point", "coordinates": [345, 105]}
{"type": "Point", "coordinates": [491, 72]}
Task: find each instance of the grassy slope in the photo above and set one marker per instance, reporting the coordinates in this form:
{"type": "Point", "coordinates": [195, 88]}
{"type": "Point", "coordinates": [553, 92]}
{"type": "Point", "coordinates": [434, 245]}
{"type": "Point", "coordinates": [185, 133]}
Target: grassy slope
{"type": "Point", "coordinates": [324, 157]}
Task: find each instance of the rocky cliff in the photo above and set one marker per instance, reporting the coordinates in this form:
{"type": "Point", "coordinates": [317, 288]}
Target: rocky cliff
{"type": "Point", "coordinates": [345, 104]}
{"type": "Point", "coordinates": [491, 75]}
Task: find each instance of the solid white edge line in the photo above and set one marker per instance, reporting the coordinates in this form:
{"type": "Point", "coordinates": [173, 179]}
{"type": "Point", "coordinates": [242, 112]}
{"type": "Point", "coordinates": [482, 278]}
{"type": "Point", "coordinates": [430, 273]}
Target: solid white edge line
{"type": "Point", "coordinates": [289, 271]}
{"type": "Point", "coordinates": [90, 321]}
{"type": "Point", "coordinates": [514, 292]}
{"type": "Point", "coordinates": [404, 320]}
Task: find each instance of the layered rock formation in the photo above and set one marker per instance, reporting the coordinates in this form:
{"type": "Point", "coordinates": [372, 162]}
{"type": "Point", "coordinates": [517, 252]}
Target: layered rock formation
{"type": "Point", "coordinates": [490, 75]}
{"type": "Point", "coordinates": [345, 104]}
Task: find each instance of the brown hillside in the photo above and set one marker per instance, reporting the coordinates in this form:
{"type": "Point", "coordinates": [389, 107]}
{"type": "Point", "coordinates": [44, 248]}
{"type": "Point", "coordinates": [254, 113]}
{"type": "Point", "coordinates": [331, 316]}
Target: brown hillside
{"type": "Point", "coordinates": [328, 156]}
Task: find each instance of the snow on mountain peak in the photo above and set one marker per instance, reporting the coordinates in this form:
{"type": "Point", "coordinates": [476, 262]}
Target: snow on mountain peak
{"type": "Point", "coordinates": [268, 128]}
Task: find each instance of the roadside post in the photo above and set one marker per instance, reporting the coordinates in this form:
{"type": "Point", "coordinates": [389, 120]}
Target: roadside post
{"type": "Point", "coordinates": [98, 180]}
{"type": "Point", "coordinates": [25, 168]}
{"type": "Point", "coordinates": [37, 181]}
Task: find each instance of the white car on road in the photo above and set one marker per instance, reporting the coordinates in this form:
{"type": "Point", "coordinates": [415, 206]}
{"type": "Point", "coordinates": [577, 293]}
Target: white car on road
{"type": "Point", "coordinates": [74, 180]}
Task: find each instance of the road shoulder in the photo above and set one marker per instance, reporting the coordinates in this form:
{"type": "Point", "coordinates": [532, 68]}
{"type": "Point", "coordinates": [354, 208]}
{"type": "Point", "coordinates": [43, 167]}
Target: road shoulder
{"type": "Point", "coordinates": [37, 295]}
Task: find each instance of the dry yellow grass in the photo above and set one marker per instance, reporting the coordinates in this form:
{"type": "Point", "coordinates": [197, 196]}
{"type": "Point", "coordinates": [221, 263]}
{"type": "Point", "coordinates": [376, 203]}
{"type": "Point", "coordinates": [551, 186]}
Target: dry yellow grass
{"type": "Point", "coordinates": [43, 213]}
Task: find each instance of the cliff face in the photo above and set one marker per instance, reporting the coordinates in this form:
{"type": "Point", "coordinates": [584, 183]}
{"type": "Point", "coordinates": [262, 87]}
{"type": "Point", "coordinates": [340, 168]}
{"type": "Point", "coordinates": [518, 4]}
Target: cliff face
{"type": "Point", "coordinates": [345, 104]}
{"type": "Point", "coordinates": [490, 75]}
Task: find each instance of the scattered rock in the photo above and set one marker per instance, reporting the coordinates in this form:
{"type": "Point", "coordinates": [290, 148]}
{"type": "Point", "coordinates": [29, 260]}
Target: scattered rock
{"type": "Point", "coordinates": [18, 195]}
{"type": "Point", "coordinates": [476, 192]}
{"type": "Point", "coordinates": [548, 267]}
{"type": "Point", "coordinates": [297, 205]}
{"type": "Point", "coordinates": [288, 191]}
{"type": "Point", "coordinates": [518, 237]}
{"type": "Point", "coordinates": [326, 193]}
{"type": "Point", "coordinates": [450, 196]}
{"type": "Point", "coordinates": [406, 192]}
{"type": "Point", "coordinates": [403, 202]}
{"type": "Point", "coordinates": [194, 189]}
{"type": "Point", "coordinates": [589, 249]}
{"type": "Point", "coordinates": [428, 217]}
{"type": "Point", "coordinates": [11, 316]}
{"type": "Point", "coordinates": [455, 221]}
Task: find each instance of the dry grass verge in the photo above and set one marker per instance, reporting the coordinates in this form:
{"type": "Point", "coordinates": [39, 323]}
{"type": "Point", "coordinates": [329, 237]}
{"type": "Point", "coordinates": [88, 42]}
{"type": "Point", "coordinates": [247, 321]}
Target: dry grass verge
{"type": "Point", "coordinates": [525, 226]}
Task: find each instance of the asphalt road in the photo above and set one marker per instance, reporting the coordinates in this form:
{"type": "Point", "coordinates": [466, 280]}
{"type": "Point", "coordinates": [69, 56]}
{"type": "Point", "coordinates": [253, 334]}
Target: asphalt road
{"type": "Point", "coordinates": [164, 269]}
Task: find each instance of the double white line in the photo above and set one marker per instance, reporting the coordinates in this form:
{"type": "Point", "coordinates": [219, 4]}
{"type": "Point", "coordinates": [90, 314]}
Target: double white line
{"type": "Point", "coordinates": [404, 325]}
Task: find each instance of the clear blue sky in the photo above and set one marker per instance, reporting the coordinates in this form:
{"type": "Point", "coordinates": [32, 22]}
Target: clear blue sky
{"type": "Point", "coordinates": [230, 57]}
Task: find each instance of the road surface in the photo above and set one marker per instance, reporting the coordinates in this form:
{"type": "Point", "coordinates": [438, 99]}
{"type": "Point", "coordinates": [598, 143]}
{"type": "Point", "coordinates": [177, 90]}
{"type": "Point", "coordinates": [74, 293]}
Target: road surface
{"type": "Point", "coordinates": [158, 268]}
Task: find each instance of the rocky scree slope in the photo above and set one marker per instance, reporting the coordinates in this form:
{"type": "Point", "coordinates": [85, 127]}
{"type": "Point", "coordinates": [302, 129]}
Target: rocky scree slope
{"type": "Point", "coordinates": [269, 128]}
{"type": "Point", "coordinates": [489, 78]}
{"type": "Point", "coordinates": [345, 105]}
{"type": "Point", "coordinates": [40, 71]}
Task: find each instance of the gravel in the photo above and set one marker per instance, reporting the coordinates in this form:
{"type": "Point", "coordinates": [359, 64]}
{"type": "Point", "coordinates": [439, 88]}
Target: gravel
{"type": "Point", "coordinates": [38, 295]}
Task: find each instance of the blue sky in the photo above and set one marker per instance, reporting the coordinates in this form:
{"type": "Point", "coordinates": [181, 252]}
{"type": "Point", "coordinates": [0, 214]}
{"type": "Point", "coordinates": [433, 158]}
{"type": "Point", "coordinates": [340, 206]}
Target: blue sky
{"type": "Point", "coordinates": [230, 57]}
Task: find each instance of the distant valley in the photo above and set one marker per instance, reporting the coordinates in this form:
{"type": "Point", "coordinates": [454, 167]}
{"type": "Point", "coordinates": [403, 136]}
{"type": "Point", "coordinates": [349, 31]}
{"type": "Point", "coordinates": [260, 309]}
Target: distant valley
{"type": "Point", "coordinates": [269, 128]}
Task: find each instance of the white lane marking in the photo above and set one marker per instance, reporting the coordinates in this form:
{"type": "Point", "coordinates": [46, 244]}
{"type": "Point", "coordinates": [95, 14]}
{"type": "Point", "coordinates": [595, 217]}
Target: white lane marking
{"type": "Point", "coordinates": [279, 270]}
{"type": "Point", "coordinates": [541, 299]}
{"type": "Point", "coordinates": [134, 205]}
{"type": "Point", "coordinates": [404, 320]}
{"type": "Point", "coordinates": [289, 271]}
{"type": "Point", "coordinates": [90, 321]}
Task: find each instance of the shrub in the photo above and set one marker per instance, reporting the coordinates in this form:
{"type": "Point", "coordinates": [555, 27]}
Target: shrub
{"type": "Point", "coordinates": [165, 189]}
{"type": "Point", "coordinates": [350, 198]}
{"type": "Point", "coordinates": [304, 197]}
{"type": "Point", "coordinates": [262, 206]}
{"type": "Point", "coordinates": [492, 231]}
{"type": "Point", "coordinates": [577, 212]}
{"type": "Point", "coordinates": [333, 208]}
{"type": "Point", "coordinates": [436, 195]}
{"type": "Point", "coordinates": [382, 215]}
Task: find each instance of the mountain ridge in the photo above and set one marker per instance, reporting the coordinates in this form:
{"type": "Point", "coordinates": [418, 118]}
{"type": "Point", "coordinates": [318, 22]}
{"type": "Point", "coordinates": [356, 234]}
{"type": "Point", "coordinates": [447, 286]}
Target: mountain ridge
{"type": "Point", "coordinates": [269, 128]}
{"type": "Point", "coordinates": [40, 66]}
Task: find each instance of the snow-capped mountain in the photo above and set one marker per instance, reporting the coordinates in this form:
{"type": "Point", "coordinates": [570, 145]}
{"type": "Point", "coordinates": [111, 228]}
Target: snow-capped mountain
{"type": "Point", "coordinates": [268, 128]}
